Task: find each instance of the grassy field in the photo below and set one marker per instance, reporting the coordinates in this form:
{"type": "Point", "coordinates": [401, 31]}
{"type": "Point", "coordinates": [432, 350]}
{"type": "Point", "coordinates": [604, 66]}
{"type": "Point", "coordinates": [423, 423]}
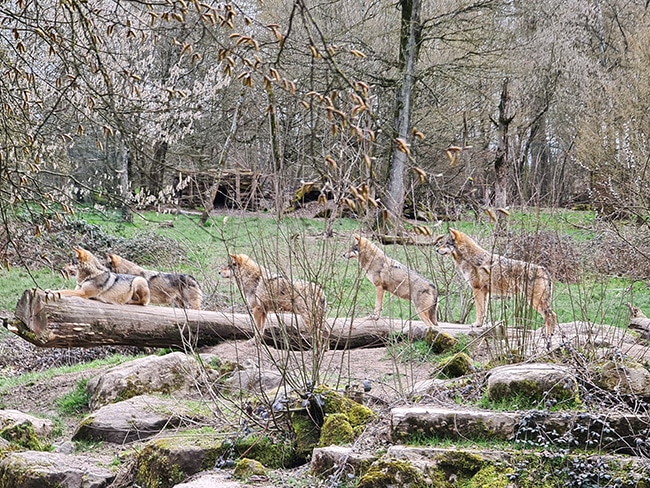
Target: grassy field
{"type": "Point", "coordinates": [297, 247]}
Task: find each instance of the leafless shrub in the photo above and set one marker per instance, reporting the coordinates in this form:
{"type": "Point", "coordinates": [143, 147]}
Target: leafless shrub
{"type": "Point", "coordinates": [559, 254]}
{"type": "Point", "coordinates": [53, 249]}
{"type": "Point", "coordinates": [623, 251]}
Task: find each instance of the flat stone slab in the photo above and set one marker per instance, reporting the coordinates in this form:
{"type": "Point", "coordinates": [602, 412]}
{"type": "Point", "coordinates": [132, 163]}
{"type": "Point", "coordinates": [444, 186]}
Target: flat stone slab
{"type": "Point", "coordinates": [38, 469]}
{"type": "Point", "coordinates": [325, 460]}
{"type": "Point", "coordinates": [537, 381]}
{"type": "Point", "coordinates": [607, 432]}
{"type": "Point", "coordinates": [412, 422]}
{"type": "Point", "coordinates": [42, 427]}
{"type": "Point", "coordinates": [212, 481]}
{"type": "Point", "coordinates": [136, 419]}
{"type": "Point", "coordinates": [174, 372]}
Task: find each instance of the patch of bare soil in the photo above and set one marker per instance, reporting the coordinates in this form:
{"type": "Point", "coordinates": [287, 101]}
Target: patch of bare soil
{"type": "Point", "coordinates": [19, 357]}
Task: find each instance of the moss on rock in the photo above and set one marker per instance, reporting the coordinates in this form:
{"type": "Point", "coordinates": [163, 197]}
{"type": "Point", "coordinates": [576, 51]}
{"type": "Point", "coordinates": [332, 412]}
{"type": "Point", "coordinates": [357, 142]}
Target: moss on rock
{"type": "Point", "coordinates": [245, 468]}
{"type": "Point", "coordinates": [490, 477]}
{"type": "Point", "coordinates": [23, 436]}
{"type": "Point", "coordinates": [333, 402]}
{"type": "Point", "coordinates": [272, 453]}
{"type": "Point", "coordinates": [458, 365]}
{"type": "Point", "coordinates": [393, 473]}
{"type": "Point", "coordinates": [461, 462]}
{"type": "Point", "coordinates": [306, 434]}
{"type": "Point", "coordinates": [336, 430]}
{"type": "Point", "coordinates": [440, 342]}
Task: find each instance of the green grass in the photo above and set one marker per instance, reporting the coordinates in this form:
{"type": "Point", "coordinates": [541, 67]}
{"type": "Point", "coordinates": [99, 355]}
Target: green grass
{"type": "Point", "coordinates": [76, 401]}
{"type": "Point", "coordinates": [297, 247]}
{"type": "Point", "coordinates": [422, 440]}
{"type": "Point", "coordinates": [523, 402]}
{"type": "Point", "coordinates": [7, 384]}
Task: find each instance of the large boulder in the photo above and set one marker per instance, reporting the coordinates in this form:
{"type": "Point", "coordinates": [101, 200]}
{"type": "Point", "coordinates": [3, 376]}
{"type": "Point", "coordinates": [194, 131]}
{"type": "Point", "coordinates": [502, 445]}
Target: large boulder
{"type": "Point", "coordinates": [536, 382]}
{"type": "Point", "coordinates": [38, 469]}
{"type": "Point", "coordinates": [252, 378]}
{"type": "Point", "coordinates": [139, 418]}
{"type": "Point", "coordinates": [175, 372]}
{"type": "Point", "coordinates": [11, 418]}
{"type": "Point", "coordinates": [627, 377]}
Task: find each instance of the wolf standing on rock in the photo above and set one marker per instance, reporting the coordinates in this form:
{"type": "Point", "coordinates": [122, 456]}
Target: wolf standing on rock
{"type": "Point", "coordinates": [392, 276]}
{"type": "Point", "coordinates": [491, 274]}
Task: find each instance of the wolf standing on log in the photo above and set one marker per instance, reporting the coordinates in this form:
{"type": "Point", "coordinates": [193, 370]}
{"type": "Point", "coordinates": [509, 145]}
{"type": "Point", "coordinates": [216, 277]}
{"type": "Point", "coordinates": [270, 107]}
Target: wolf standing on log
{"type": "Point", "coordinates": [491, 274]}
{"type": "Point", "coordinates": [389, 275]}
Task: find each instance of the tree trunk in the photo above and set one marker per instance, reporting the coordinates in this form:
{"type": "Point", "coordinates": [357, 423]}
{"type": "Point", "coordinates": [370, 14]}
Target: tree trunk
{"type": "Point", "coordinates": [50, 321]}
{"type": "Point", "coordinates": [156, 174]}
{"type": "Point", "coordinates": [125, 186]}
{"type": "Point", "coordinates": [211, 193]}
{"type": "Point", "coordinates": [410, 36]}
{"type": "Point", "coordinates": [502, 158]}
{"type": "Point", "coordinates": [277, 154]}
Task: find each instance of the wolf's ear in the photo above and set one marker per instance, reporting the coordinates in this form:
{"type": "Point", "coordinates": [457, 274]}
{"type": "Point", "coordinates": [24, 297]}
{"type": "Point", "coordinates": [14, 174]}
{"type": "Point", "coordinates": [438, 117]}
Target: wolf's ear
{"type": "Point", "coordinates": [455, 234]}
{"type": "Point", "coordinates": [235, 258]}
{"type": "Point", "coordinates": [357, 238]}
{"type": "Point", "coordinates": [82, 254]}
{"type": "Point", "coordinates": [111, 259]}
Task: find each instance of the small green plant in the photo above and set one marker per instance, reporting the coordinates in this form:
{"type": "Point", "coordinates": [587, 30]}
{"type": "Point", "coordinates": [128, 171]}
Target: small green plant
{"type": "Point", "coordinates": [76, 401]}
{"type": "Point", "coordinates": [525, 402]}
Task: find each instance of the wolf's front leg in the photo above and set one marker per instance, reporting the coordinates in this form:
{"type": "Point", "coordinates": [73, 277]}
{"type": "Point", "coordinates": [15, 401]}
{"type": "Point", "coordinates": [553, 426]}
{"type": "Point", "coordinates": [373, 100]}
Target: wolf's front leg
{"type": "Point", "coordinates": [379, 303]}
{"type": "Point", "coordinates": [259, 316]}
{"type": "Point", "coordinates": [481, 298]}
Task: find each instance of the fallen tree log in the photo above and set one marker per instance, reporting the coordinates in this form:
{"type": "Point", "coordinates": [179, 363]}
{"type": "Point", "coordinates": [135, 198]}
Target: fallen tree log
{"type": "Point", "coordinates": [641, 325]}
{"type": "Point", "coordinates": [48, 320]}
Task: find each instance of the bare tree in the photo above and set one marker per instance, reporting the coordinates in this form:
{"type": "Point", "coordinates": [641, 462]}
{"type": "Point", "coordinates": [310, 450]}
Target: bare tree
{"type": "Point", "coordinates": [410, 38]}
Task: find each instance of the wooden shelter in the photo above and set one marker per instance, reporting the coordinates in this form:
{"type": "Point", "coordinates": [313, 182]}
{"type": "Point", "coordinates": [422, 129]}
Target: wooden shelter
{"type": "Point", "coordinates": [235, 188]}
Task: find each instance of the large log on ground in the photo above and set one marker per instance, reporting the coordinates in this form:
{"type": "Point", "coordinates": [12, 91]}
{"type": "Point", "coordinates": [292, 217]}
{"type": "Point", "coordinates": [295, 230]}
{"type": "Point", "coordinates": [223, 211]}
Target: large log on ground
{"type": "Point", "coordinates": [641, 325]}
{"type": "Point", "coordinates": [48, 320]}
{"type": "Point", "coordinates": [51, 321]}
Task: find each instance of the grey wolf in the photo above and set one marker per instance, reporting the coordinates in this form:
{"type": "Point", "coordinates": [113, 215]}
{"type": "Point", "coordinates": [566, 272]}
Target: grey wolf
{"type": "Point", "coordinates": [635, 312]}
{"type": "Point", "coordinates": [265, 292]}
{"type": "Point", "coordinates": [390, 275]}
{"type": "Point", "coordinates": [177, 289]}
{"type": "Point", "coordinates": [491, 274]}
{"type": "Point", "coordinates": [94, 280]}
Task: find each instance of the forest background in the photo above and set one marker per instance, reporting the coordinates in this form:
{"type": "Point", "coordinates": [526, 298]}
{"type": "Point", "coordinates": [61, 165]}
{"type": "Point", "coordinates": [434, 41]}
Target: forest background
{"type": "Point", "coordinates": [384, 109]}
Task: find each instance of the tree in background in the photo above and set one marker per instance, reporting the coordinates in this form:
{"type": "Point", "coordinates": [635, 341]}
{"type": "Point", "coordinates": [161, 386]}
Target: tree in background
{"type": "Point", "coordinates": [107, 101]}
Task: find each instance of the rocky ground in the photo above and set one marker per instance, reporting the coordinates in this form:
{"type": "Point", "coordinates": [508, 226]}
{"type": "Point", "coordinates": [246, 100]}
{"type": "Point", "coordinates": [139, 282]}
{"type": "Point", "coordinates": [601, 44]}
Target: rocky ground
{"type": "Point", "coordinates": [397, 382]}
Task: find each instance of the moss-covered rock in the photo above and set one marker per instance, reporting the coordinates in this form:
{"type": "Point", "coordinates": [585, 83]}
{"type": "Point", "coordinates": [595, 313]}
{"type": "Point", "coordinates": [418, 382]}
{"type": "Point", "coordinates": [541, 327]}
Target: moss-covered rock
{"type": "Point", "coordinates": [245, 468]}
{"type": "Point", "coordinates": [440, 342]}
{"type": "Point", "coordinates": [536, 382]}
{"type": "Point", "coordinates": [627, 377]}
{"type": "Point", "coordinates": [336, 431]}
{"type": "Point", "coordinates": [273, 453]}
{"type": "Point", "coordinates": [306, 434]}
{"type": "Point", "coordinates": [23, 436]}
{"type": "Point", "coordinates": [458, 365]}
{"type": "Point", "coordinates": [164, 462]}
{"type": "Point", "coordinates": [393, 473]}
{"type": "Point", "coordinates": [333, 402]}
{"type": "Point", "coordinates": [490, 477]}
{"type": "Point", "coordinates": [324, 403]}
{"type": "Point", "coordinates": [167, 461]}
